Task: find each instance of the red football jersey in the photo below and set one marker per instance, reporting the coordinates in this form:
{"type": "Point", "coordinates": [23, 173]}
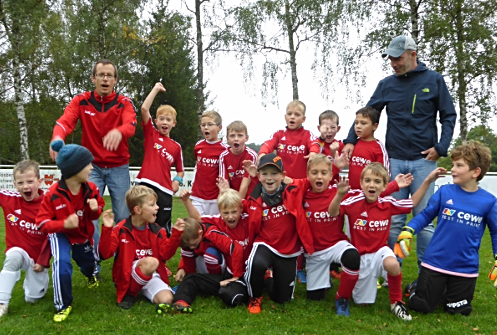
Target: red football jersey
{"type": "Point", "coordinates": [366, 152]}
{"type": "Point", "coordinates": [292, 146]}
{"type": "Point", "coordinates": [369, 223]}
{"type": "Point", "coordinates": [161, 153]}
{"type": "Point", "coordinates": [231, 167]}
{"type": "Point", "coordinates": [326, 229]}
{"type": "Point", "coordinates": [325, 149]}
{"type": "Point", "coordinates": [20, 222]}
{"type": "Point", "coordinates": [279, 231]}
{"type": "Point", "coordinates": [142, 242]}
{"type": "Point", "coordinates": [207, 169]}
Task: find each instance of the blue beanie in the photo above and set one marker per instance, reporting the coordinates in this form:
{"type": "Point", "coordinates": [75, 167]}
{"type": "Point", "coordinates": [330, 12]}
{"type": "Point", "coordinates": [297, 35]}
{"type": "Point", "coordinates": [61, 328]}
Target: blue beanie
{"type": "Point", "coordinates": [72, 158]}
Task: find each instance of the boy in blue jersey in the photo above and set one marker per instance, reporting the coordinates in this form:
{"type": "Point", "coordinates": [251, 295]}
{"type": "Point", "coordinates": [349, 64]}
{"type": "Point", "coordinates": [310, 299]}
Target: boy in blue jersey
{"type": "Point", "coordinates": [450, 265]}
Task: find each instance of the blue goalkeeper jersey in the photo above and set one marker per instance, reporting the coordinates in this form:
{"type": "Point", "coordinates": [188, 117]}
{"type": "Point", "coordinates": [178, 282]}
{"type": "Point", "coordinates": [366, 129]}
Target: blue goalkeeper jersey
{"type": "Point", "coordinates": [462, 219]}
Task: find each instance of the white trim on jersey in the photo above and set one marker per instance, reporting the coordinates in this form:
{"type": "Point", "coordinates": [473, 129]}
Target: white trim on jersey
{"type": "Point", "coordinates": [386, 159]}
{"type": "Point", "coordinates": [57, 293]}
{"type": "Point", "coordinates": [10, 193]}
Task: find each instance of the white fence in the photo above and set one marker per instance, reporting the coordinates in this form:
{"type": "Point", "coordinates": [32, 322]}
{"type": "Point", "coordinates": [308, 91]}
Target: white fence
{"type": "Point", "coordinates": [50, 174]}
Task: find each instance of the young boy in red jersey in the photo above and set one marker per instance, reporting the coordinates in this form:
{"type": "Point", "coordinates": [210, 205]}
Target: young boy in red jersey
{"type": "Point", "coordinates": [231, 160]}
{"type": "Point", "coordinates": [328, 128]}
{"type": "Point", "coordinates": [161, 154]}
{"type": "Point", "coordinates": [66, 213]}
{"type": "Point", "coordinates": [277, 230]}
{"type": "Point", "coordinates": [26, 247]}
{"type": "Point", "coordinates": [368, 149]}
{"type": "Point", "coordinates": [141, 248]}
{"type": "Point", "coordinates": [369, 217]}
{"type": "Point", "coordinates": [207, 151]}
{"type": "Point", "coordinates": [199, 240]}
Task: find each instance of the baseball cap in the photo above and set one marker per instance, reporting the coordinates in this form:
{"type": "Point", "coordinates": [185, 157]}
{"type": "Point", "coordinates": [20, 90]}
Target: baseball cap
{"type": "Point", "coordinates": [271, 159]}
{"type": "Point", "coordinates": [399, 45]}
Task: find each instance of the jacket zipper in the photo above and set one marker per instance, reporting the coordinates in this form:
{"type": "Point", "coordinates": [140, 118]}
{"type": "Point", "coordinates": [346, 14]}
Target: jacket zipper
{"type": "Point", "coordinates": [413, 103]}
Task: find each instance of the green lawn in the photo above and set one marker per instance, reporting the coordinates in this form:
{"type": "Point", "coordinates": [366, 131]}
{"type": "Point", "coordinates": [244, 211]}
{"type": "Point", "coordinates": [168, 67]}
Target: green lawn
{"type": "Point", "coordinates": [95, 311]}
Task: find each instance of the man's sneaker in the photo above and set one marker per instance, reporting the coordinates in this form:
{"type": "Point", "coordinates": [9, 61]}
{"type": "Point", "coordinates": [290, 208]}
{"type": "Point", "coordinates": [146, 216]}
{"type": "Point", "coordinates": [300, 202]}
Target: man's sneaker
{"type": "Point", "coordinates": [62, 314]}
{"type": "Point", "coordinates": [342, 307]}
{"type": "Point", "coordinates": [182, 307]}
{"type": "Point", "coordinates": [254, 306]}
{"type": "Point", "coordinates": [127, 302]}
{"type": "Point", "coordinates": [335, 274]}
{"type": "Point", "coordinates": [301, 276]}
{"type": "Point", "coordinates": [400, 310]}
{"type": "Point", "coordinates": [162, 309]}
{"type": "Point", "coordinates": [410, 288]}
{"type": "Point", "coordinates": [3, 309]}
{"type": "Point", "coordinates": [92, 282]}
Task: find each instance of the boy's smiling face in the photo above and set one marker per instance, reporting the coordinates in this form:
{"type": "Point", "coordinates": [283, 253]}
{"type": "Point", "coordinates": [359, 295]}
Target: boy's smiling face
{"type": "Point", "coordinates": [148, 210]}
{"type": "Point", "coordinates": [27, 183]}
{"type": "Point", "coordinates": [270, 177]}
{"type": "Point", "coordinates": [461, 173]}
{"type": "Point", "coordinates": [319, 175]}
{"type": "Point", "coordinates": [372, 185]}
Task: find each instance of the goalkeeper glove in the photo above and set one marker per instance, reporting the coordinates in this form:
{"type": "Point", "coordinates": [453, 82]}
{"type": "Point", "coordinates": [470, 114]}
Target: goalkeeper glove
{"type": "Point", "coordinates": [493, 273]}
{"type": "Point", "coordinates": [403, 245]}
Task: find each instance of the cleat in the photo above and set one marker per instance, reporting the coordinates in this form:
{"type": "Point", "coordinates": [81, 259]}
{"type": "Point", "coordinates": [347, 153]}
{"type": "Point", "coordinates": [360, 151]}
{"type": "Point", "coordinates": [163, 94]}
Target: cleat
{"type": "Point", "coordinates": [378, 284]}
{"type": "Point", "coordinates": [92, 282]}
{"type": "Point", "coordinates": [342, 307]}
{"type": "Point", "coordinates": [162, 309]}
{"type": "Point", "coordinates": [301, 276]}
{"type": "Point", "coordinates": [255, 305]}
{"type": "Point", "coordinates": [182, 307]}
{"type": "Point", "coordinates": [127, 302]}
{"type": "Point", "coordinates": [409, 289]}
{"type": "Point", "coordinates": [4, 309]}
{"type": "Point", "coordinates": [99, 279]}
{"type": "Point", "coordinates": [62, 314]}
{"type": "Point", "coordinates": [335, 274]}
{"type": "Point", "coordinates": [400, 310]}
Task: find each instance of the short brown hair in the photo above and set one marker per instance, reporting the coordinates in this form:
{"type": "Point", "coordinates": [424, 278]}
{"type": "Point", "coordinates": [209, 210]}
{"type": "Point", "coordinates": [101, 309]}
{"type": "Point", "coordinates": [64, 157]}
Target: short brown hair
{"type": "Point", "coordinates": [104, 62]}
{"type": "Point", "coordinates": [475, 154]}
{"type": "Point", "coordinates": [319, 158]}
{"type": "Point", "coordinates": [328, 115]}
{"type": "Point", "coordinates": [213, 115]}
{"type": "Point", "coordinates": [166, 109]}
{"type": "Point", "coordinates": [137, 195]}
{"type": "Point", "coordinates": [377, 169]}
{"type": "Point", "coordinates": [229, 198]}
{"type": "Point", "coordinates": [25, 165]}
{"type": "Point", "coordinates": [237, 126]}
{"type": "Point", "coordinates": [371, 113]}
{"type": "Point", "coordinates": [298, 104]}
{"type": "Point", "coordinates": [190, 231]}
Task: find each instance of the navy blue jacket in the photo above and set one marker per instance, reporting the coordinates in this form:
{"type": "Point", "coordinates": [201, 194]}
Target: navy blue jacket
{"type": "Point", "coordinates": [412, 102]}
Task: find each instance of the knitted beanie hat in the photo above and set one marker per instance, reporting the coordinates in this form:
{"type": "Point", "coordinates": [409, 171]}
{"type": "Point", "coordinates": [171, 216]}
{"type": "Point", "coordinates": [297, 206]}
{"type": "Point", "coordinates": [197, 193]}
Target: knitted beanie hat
{"type": "Point", "coordinates": [72, 158]}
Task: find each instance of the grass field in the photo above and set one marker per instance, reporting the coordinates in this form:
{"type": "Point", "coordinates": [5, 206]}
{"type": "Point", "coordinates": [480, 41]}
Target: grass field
{"type": "Point", "coordinates": [95, 311]}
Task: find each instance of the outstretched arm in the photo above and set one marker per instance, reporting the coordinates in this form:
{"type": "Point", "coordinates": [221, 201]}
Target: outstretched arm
{"type": "Point", "coordinates": [342, 188]}
{"type": "Point", "coordinates": [149, 100]}
{"type": "Point", "coordinates": [420, 193]}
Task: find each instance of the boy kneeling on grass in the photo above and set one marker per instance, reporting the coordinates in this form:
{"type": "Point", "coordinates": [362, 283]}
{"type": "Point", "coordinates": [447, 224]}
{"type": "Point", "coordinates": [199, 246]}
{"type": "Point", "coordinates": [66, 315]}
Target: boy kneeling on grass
{"type": "Point", "coordinates": [450, 265]}
{"type": "Point", "coordinates": [141, 247]}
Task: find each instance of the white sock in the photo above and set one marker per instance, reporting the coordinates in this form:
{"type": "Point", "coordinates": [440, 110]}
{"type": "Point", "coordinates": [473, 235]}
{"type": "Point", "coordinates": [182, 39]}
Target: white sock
{"type": "Point", "coordinates": [7, 279]}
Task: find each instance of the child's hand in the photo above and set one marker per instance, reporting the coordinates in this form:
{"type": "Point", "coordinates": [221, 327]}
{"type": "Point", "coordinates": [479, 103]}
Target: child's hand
{"type": "Point", "coordinates": [404, 180]}
{"type": "Point", "coordinates": [435, 174]}
{"type": "Point", "coordinates": [185, 195]}
{"type": "Point", "coordinates": [343, 186]}
{"type": "Point", "coordinates": [180, 275]}
{"type": "Point", "coordinates": [71, 222]}
{"type": "Point", "coordinates": [222, 184]}
{"type": "Point", "coordinates": [38, 268]}
{"type": "Point", "coordinates": [93, 204]}
{"type": "Point", "coordinates": [159, 87]}
{"type": "Point", "coordinates": [341, 161]}
{"type": "Point", "coordinates": [287, 180]}
{"type": "Point", "coordinates": [227, 281]}
{"type": "Point", "coordinates": [334, 148]}
{"type": "Point", "coordinates": [108, 218]}
{"type": "Point", "coordinates": [310, 155]}
{"type": "Point", "coordinates": [250, 167]}
{"type": "Point", "coordinates": [179, 225]}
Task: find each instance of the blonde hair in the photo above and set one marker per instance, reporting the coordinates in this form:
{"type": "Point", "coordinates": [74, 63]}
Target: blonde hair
{"type": "Point", "coordinates": [298, 104]}
{"type": "Point", "coordinates": [229, 198]}
{"type": "Point", "coordinates": [25, 165]}
{"type": "Point", "coordinates": [319, 158]}
{"type": "Point", "coordinates": [218, 120]}
{"type": "Point", "coordinates": [190, 231]}
{"type": "Point", "coordinates": [377, 169]}
{"type": "Point", "coordinates": [237, 126]}
{"type": "Point", "coordinates": [475, 154]}
{"type": "Point", "coordinates": [137, 195]}
{"type": "Point", "coordinates": [166, 109]}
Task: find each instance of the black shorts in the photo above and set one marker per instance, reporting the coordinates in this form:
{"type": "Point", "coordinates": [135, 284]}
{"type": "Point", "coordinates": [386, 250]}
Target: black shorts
{"type": "Point", "coordinates": [435, 288]}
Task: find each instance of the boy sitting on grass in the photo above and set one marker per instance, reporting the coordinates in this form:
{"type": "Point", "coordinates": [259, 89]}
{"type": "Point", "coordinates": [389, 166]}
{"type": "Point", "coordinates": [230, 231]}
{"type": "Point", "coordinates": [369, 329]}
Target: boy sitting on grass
{"type": "Point", "coordinates": [141, 247]}
{"type": "Point", "coordinates": [450, 265]}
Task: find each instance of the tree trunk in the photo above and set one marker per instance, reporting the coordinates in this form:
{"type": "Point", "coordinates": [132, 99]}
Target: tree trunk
{"type": "Point", "coordinates": [18, 101]}
{"type": "Point", "coordinates": [414, 20]}
{"type": "Point", "coordinates": [200, 67]}
{"type": "Point", "coordinates": [291, 47]}
{"type": "Point", "coordinates": [461, 71]}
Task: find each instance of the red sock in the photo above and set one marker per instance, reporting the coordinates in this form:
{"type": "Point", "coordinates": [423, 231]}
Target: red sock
{"type": "Point", "coordinates": [212, 263]}
{"type": "Point", "coordinates": [347, 282]}
{"type": "Point", "coordinates": [138, 280]}
{"type": "Point", "coordinates": [300, 262]}
{"type": "Point", "coordinates": [395, 287]}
